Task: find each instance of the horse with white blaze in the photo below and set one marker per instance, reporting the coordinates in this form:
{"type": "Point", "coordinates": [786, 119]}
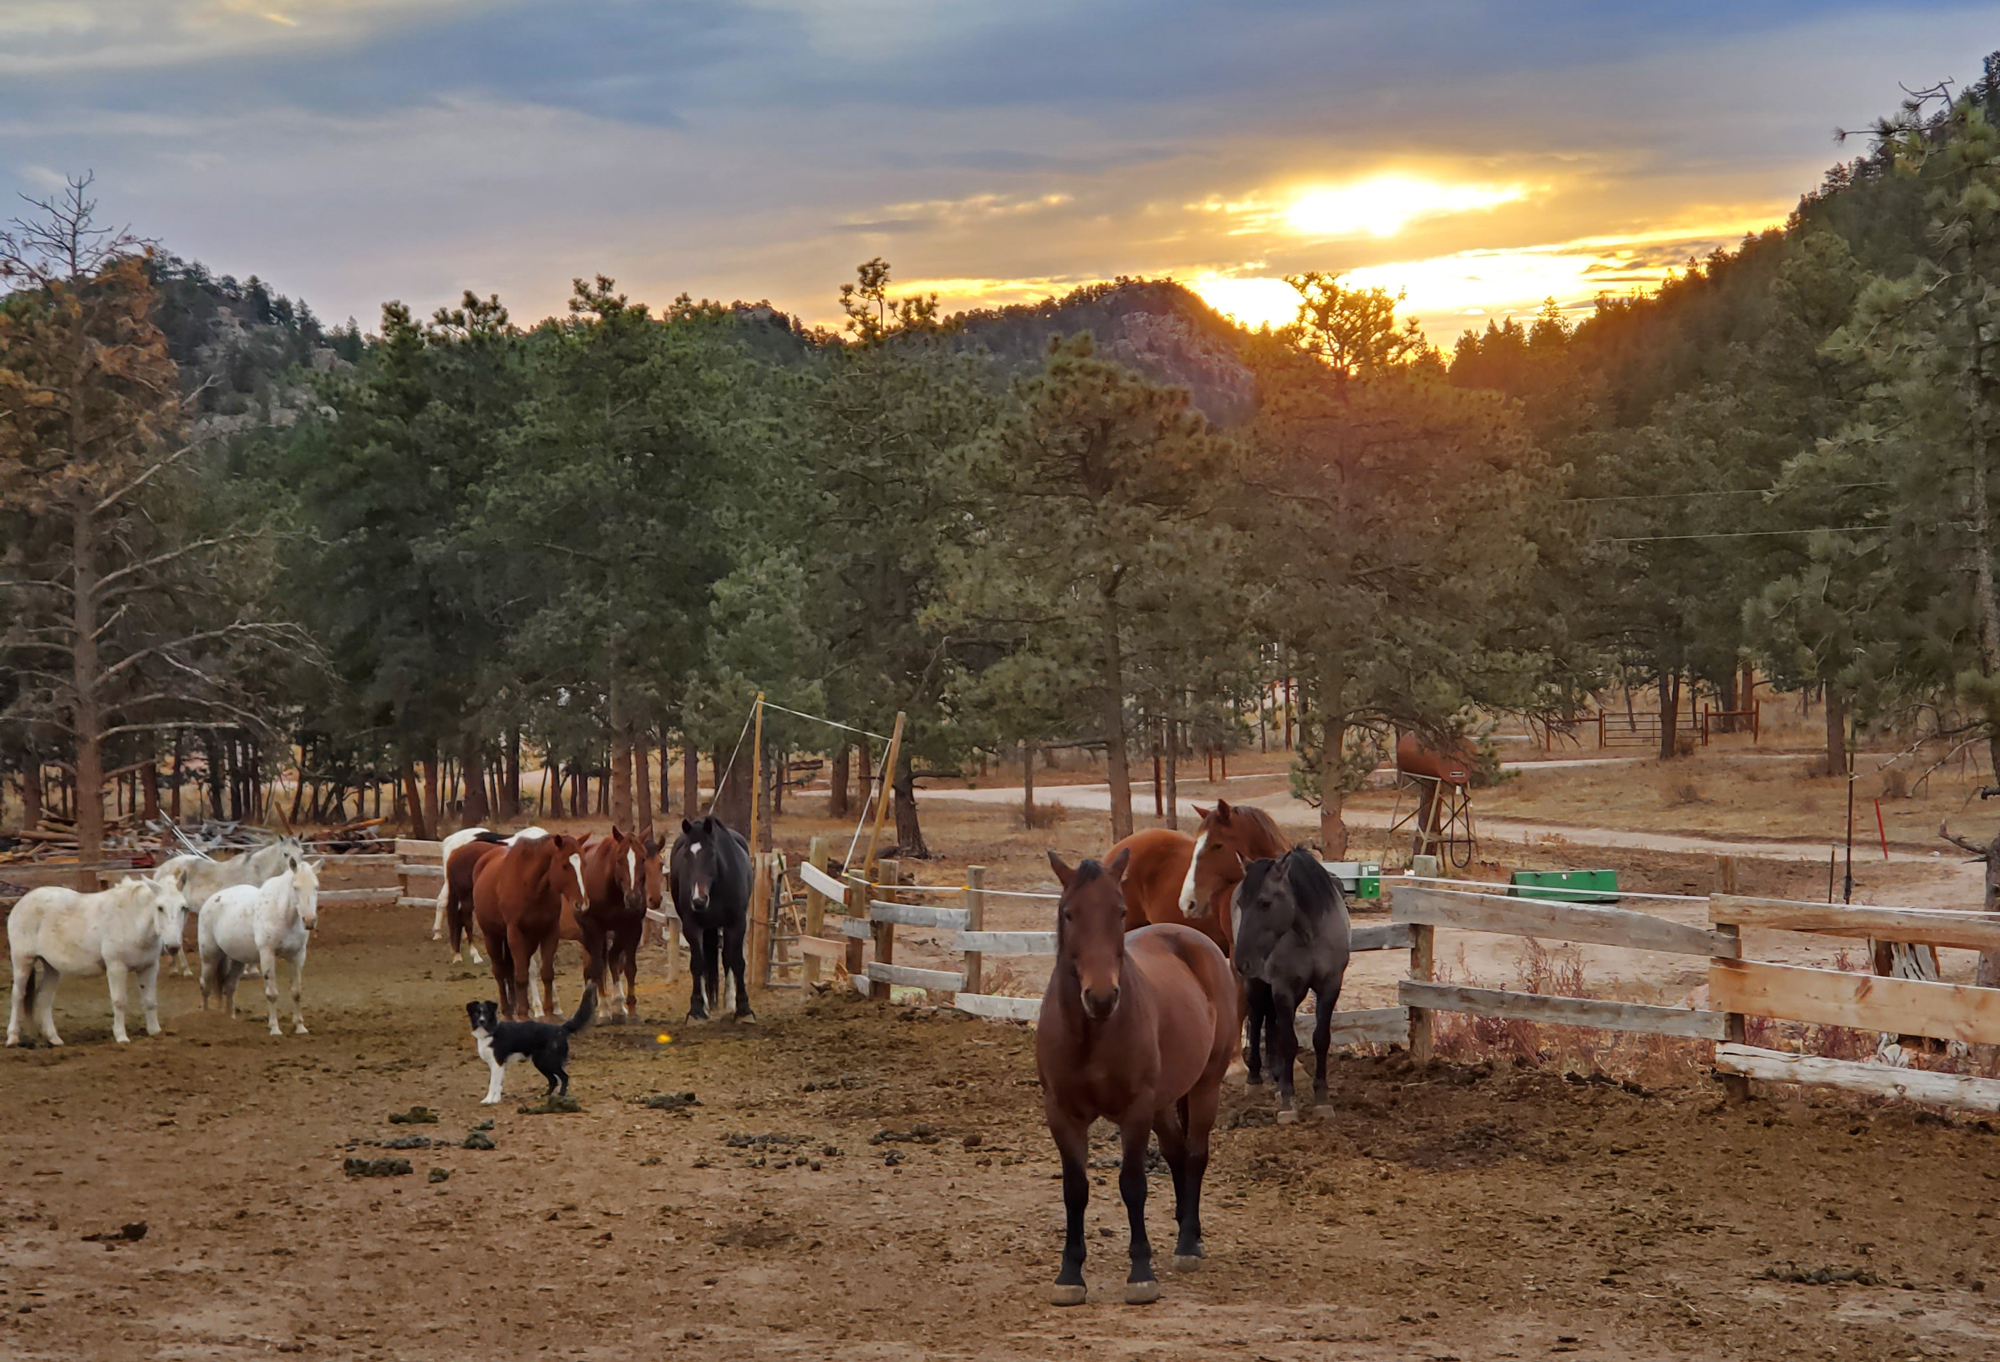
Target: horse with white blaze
{"type": "Point", "coordinates": [117, 932]}
{"type": "Point", "coordinates": [449, 845]}
{"type": "Point", "coordinates": [260, 924]}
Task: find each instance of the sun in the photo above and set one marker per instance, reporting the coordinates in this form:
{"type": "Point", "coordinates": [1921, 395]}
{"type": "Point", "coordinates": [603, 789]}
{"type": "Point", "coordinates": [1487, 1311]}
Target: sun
{"type": "Point", "coordinates": [1384, 204]}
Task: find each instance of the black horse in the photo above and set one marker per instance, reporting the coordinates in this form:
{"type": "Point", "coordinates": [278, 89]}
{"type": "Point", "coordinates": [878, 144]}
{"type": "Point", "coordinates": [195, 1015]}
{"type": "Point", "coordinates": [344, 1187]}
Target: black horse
{"type": "Point", "coordinates": [709, 870]}
{"type": "Point", "coordinates": [1291, 935]}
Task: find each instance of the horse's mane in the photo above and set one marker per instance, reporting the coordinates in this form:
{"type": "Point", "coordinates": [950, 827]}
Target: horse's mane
{"type": "Point", "coordinates": [1265, 823]}
{"type": "Point", "coordinates": [484, 836]}
{"type": "Point", "coordinates": [1254, 875]}
{"type": "Point", "coordinates": [1311, 886]}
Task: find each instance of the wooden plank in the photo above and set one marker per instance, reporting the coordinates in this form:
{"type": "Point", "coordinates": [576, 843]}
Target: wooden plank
{"type": "Point", "coordinates": [338, 859]}
{"type": "Point", "coordinates": [412, 846]}
{"type": "Point", "coordinates": [1881, 1080]}
{"type": "Point", "coordinates": [1866, 1002]}
{"type": "Point", "coordinates": [416, 868]}
{"type": "Point", "coordinates": [1007, 943]}
{"type": "Point", "coordinates": [1362, 1026]}
{"type": "Point", "coordinates": [1560, 1011]}
{"type": "Point", "coordinates": [917, 915]}
{"type": "Point", "coordinates": [816, 948]}
{"type": "Point", "coordinates": [826, 884]}
{"type": "Point", "coordinates": [853, 928]}
{"type": "Point", "coordinates": [1735, 1088]}
{"type": "Point", "coordinates": [999, 1007]}
{"type": "Point", "coordinates": [1379, 936]}
{"type": "Point", "coordinates": [949, 981]}
{"type": "Point", "coordinates": [856, 892]}
{"type": "Point", "coordinates": [1925, 926]}
{"type": "Point", "coordinates": [385, 895]}
{"type": "Point", "coordinates": [1548, 919]}
{"type": "Point", "coordinates": [408, 901]}
{"type": "Point", "coordinates": [892, 873]}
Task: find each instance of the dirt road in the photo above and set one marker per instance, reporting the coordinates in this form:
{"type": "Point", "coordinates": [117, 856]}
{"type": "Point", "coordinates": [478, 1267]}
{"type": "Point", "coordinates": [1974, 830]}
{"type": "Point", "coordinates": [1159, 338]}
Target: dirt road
{"type": "Point", "coordinates": [1450, 1212]}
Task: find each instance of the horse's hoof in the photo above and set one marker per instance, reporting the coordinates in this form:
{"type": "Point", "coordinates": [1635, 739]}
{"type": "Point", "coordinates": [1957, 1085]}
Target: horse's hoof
{"type": "Point", "coordinates": [1187, 1262]}
{"type": "Point", "coordinates": [1287, 1116]}
{"type": "Point", "coordinates": [747, 1019]}
{"type": "Point", "coordinates": [1323, 1112]}
{"type": "Point", "coordinates": [1253, 1079]}
{"type": "Point", "coordinates": [1142, 1293]}
{"type": "Point", "coordinates": [1067, 1295]}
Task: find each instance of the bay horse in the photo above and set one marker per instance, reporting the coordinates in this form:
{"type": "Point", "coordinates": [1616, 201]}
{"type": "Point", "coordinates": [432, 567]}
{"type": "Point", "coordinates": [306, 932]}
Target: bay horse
{"type": "Point", "coordinates": [1291, 935]}
{"type": "Point", "coordinates": [1137, 1028]}
{"type": "Point", "coordinates": [1178, 878]}
{"type": "Point", "coordinates": [610, 921]}
{"type": "Point", "coordinates": [517, 901]}
{"type": "Point", "coordinates": [709, 875]}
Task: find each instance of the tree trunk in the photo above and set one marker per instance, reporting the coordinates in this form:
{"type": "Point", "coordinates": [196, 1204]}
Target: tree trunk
{"type": "Point", "coordinates": [212, 745]}
{"type": "Point", "coordinates": [1028, 784]}
{"type": "Point", "coordinates": [621, 781]}
{"type": "Point", "coordinates": [909, 832]}
{"type": "Point", "coordinates": [174, 792]}
{"type": "Point", "coordinates": [88, 719]}
{"type": "Point", "coordinates": [767, 766]}
{"type": "Point", "coordinates": [149, 791]}
{"type": "Point", "coordinates": [1987, 974]}
{"type": "Point", "coordinates": [865, 775]}
{"type": "Point", "coordinates": [552, 782]}
{"type": "Point", "coordinates": [431, 818]}
{"type": "Point", "coordinates": [1836, 730]}
{"type": "Point", "coordinates": [31, 791]}
{"type": "Point", "coordinates": [642, 783]}
{"type": "Point", "coordinates": [510, 797]}
{"type": "Point", "coordinates": [732, 800]}
{"type": "Point", "coordinates": [1982, 589]}
{"type": "Point", "coordinates": [1670, 713]}
{"type": "Point", "coordinates": [1333, 771]}
{"type": "Point", "coordinates": [421, 828]}
{"type": "Point", "coordinates": [472, 756]}
{"type": "Point", "coordinates": [836, 799]}
{"type": "Point", "coordinates": [1119, 766]}
{"type": "Point", "coordinates": [690, 779]}
{"type": "Point", "coordinates": [1173, 775]}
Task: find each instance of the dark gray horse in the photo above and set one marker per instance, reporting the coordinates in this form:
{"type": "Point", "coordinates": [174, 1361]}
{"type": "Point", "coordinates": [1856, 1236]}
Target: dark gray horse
{"type": "Point", "coordinates": [1291, 935]}
{"type": "Point", "coordinates": [709, 870]}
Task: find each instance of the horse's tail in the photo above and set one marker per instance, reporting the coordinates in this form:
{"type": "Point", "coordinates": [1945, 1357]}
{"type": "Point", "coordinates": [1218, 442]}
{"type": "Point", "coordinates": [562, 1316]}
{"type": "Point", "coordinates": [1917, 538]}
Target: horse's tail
{"type": "Point", "coordinates": [584, 1011]}
{"type": "Point", "coordinates": [28, 988]}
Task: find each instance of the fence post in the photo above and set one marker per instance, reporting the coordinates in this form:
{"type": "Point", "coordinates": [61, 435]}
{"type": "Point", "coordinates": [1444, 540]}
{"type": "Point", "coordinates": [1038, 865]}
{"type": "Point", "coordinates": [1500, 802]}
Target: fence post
{"type": "Point", "coordinates": [975, 921]}
{"type": "Point", "coordinates": [889, 876]}
{"type": "Point", "coordinates": [1735, 1087]}
{"type": "Point", "coordinates": [815, 909]}
{"type": "Point", "coordinates": [1422, 936]}
{"type": "Point", "coordinates": [673, 946]}
{"type": "Point", "coordinates": [857, 908]}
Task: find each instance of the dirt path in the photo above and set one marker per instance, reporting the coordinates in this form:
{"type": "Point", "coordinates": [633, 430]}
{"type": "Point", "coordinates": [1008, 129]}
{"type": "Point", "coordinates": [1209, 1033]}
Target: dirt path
{"type": "Point", "coordinates": [1445, 1213]}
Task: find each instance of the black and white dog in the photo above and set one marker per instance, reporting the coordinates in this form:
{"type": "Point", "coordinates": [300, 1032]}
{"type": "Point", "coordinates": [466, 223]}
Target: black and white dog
{"type": "Point", "coordinates": [544, 1044]}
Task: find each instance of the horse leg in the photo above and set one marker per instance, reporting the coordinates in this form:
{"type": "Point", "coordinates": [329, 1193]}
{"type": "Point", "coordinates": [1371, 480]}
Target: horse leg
{"type": "Point", "coordinates": [732, 959]}
{"type": "Point", "coordinates": [149, 995]}
{"type": "Point", "coordinates": [1171, 1126]}
{"type": "Point", "coordinates": [1141, 1286]}
{"type": "Point", "coordinates": [45, 1002]}
{"type": "Point", "coordinates": [437, 920]}
{"type": "Point", "coordinates": [1073, 1144]}
{"type": "Point", "coordinates": [520, 959]}
{"type": "Point", "coordinates": [1257, 1003]}
{"type": "Point", "coordinates": [227, 973]}
{"type": "Point", "coordinates": [1197, 1120]}
{"type": "Point", "coordinates": [496, 953]}
{"type": "Point", "coordinates": [548, 954]}
{"type": "Point", "coordinates": [17, 1006]}
{"type": "Point", "coordinates": [267, 960]}
{"type": "Point", "coordinates": [631, 954]}
{"type": "Point", "coordinates": [1284, 1052]}
{"type": "Point", "coordinates": [115, 975]}
{"type": "Point", "coordinates": [299, 992]}
{"type": "Point", "coordinates": [697, 974]}
{"type": "Point", "coordinates": [1323, 1005]}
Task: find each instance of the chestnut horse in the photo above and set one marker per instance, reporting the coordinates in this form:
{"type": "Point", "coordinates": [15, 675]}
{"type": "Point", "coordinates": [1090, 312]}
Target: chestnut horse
{"type": "Point", "coordinates": [1138, 1028]}
{"type": "Point", "coordinates": [459, 864]}
{"type": "Point", "coordinates": [517, 900]}
{"type": "Point", "coordinates": [1177, 878]}
{"type": "Point", "coordinates": [612, 917]}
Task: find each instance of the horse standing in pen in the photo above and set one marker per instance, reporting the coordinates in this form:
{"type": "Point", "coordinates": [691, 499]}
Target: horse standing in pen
{"type": "Point", "coordinates": [1291, 936]}
{"type": "Point", "coordinates": [1138, 1028]}
{"type": "Point", "coordinates": [117, 932]}
{"type": "Point", "coordinates": [1177, 878]}
{"type": "Point", "coordinates": [610, 921]}
{"type": "Point", "coordinates": [709, 874]}
{"type": "Point", "coordinates": [517, 901]}
{"type": "Point", "coordinates": [203, 877]}
{"type": "Point", "coordinates": [260, 925]}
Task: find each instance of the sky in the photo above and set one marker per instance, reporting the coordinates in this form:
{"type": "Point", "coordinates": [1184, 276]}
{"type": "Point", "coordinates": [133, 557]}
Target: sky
{"type": "Point", "coordinates": [1478, 157]}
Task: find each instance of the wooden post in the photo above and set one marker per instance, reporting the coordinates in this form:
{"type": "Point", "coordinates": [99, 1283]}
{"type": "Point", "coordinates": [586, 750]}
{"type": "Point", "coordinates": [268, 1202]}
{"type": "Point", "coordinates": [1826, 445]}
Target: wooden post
{"type": "Point", "coordinates": [975, 921]}
{"type": "Point", "coordinates": [1735, 1087]}
{"type": "Point", "coordinates": [857, 894]}
{"type": "Point", "coordinates": [815, 907]}
{"type": "Point", "coordinates": [887, 776]}
{"type": "Point", "coordinates": [760, 872]}
{"type": "Point", "coordinates": [673, 947]}
{"type": "Point", "coordinates": [891, 874]}
{"type": "Point", "coordinates": [1421, 945]}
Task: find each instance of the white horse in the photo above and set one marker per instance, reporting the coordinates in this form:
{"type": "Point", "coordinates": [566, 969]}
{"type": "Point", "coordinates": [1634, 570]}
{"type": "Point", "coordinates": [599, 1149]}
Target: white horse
{"type": "Point", "coordinates": [118, 932]}
{"type": "Point", "coordinates": [451, 844]}
{"type": "Point", "coordinates": [259, 924]}
{"type": "Point", "coordinates": [205, 875]}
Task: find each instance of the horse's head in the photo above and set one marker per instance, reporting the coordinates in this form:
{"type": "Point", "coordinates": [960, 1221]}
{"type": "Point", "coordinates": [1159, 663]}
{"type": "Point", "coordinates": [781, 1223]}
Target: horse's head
{"type": "Point", "coordinates": [1221, 847]}
{"type": "Point", "coordinates": [698, 857]}
{"type": "Point", "coordinates": [305, 892]}
{"type": "Point", "coordinates": [653, 871]}
{"type": "Point", "coordinates": [1090, 928]}
{"type": "Point", "coordinates": [628, 870]}
{"type": "Point", "coordinates": [170, 905]}
{"type": "Point", "coordinates": [566, 865]}
{"type": "Point", "coordinates": [1279, 899]}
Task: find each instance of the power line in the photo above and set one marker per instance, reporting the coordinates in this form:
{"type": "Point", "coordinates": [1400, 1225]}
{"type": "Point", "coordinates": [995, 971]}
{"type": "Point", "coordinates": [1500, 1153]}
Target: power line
{"type": "Point", "coordinates": [1721, 492]}
{"type": "Point", "coordinates": [1743, 534]}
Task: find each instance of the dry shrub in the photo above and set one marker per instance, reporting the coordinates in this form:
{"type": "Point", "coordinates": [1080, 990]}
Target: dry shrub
{"type": "Point", "coordinates": [1895, 783]}
{"type": "Point", "coordinates": [1684, 744]}
{"type": "Point", "coordinates": [1045, 816]}
{"type": "Point", "coordinates": [1687, 792]}
{"type": "Point", "coordinates": [1001, 978]}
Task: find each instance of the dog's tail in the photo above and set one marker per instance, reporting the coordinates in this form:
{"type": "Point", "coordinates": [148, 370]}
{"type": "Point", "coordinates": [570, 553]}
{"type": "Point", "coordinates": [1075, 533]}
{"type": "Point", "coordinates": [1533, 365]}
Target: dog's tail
{"type": "Point", "coordinates": [584, 1012]}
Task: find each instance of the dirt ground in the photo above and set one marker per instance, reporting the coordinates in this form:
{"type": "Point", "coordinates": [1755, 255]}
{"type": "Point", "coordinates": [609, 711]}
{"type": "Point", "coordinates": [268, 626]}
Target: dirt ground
{"type": "Point", "coordinates": [1450, 1212]}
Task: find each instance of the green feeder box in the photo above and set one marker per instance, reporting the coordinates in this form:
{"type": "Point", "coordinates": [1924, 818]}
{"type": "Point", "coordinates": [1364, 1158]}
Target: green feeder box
{"type": "Point", "coordinates": [1566, 886]}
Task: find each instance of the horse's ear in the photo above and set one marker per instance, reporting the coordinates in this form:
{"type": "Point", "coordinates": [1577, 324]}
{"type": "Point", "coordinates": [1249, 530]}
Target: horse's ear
{"type": "Point", "coordinates": [1222, 811]}
{"type": "Point", "coordinates": [1201, 813]}
{"type": "Point", "coordinates": [687, 827]}
{"type": "Point", "coordinates": [1115, 867]}
{"type": "Point", "coordinates": [1064, 871]}
{"type": "Point", "coordinates": [617, 833]}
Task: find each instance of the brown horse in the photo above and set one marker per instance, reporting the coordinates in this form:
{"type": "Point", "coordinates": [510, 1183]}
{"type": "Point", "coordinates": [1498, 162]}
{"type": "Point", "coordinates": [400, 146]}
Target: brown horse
{"type": "Point", "coordinates": [1138, 1029]}
{"type": "Point", "coordinates": [517, 901]}
{"type": "Point", "coordinates": [1177, 878]}
{"type": "Point", "coordinates": [611, 919]}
